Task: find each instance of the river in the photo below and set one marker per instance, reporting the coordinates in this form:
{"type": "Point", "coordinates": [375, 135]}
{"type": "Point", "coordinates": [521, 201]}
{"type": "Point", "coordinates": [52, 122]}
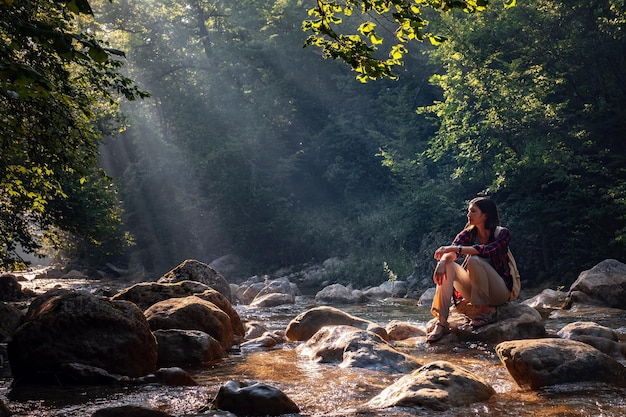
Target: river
{"type": "Point", "coordinates": [323, 389]}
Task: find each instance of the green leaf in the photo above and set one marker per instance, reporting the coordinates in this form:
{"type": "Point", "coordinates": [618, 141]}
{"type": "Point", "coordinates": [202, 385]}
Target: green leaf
{"type": "Point", "coordinates": [98, 54]}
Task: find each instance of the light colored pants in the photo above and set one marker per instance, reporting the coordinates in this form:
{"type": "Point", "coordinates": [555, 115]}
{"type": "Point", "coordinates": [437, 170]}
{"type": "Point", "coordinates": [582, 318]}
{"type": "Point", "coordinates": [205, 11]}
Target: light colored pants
{"type": "Point", "coordinates": [480, 284]}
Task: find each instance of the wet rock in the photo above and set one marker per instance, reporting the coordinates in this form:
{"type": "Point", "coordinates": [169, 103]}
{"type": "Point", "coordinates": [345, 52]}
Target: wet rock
{"type": "Point", "coordinates": [254, 329]}
{"type": "Point", "coordinates": [223, 304]}
{"type": "Point", "coordinates": [279, 286]}
{"type": "Point", "coordinates": [4, 411]}
{"type": "Point", "coordinates": [81, 374]}
{"type": "Point", "coordinates": [587, 328]}
{"type": "Point", "coordinates": [10, 288]}
{"type": "Point", "coordinates": [399, 330]}
{"type": "Point", "coordinates": [600, 337]}
{"type": "Point", "coordinates": [173, 376]}
{"type": "Point", "coordinates": [356, 349]}
{"type": "Point", "coordinates": [514, 321]}
{"type": "Point", "coordinates": [187, 347]}
{"type": "Point", "coordinates": [306, 324]}
{"type": "Point", "coordinates": [603, 285]}
{"type": "Point", "coordinates": [130, 411]}
{"type": "Point", "coordinates": [10, 319]}
{"type": "Point", "coordinates": [437, 385]}
{"type": "Point", "coordinates": [547, 301]}
{"type": "Point", "coordinates": [192, 270]}
{"type": "Point", "coordinates": [247, 292]}
{"type": "Point", "coordinates": [272, 300]}
{"type": "Point", "coordinates": [144, 294]}
{"type": "Point", "coordinates": [253, 399]}
{"type": "Point", "coordinates": [63, 326]}
{"type": "Point", "coordinates": [267, 340]}
{"type": "Point", "coordinates": [386, 290]}
{"type": "Point", "coordinates": [544, 362]}
{"type": "Point", "coordinates": [192, 313]}
{"type": "Point", "coordinates": [427, 297]}
{"type": "Point", "coordinates": [74, 274]}
{"type": "Point", "coordinates": [340, 294]}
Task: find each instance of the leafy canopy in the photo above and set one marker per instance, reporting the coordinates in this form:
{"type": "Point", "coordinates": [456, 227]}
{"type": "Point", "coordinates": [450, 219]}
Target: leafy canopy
{"type": "Point", "coordinates": [58, 91]}
{"type": "Point", "coordinates": [400, 20]}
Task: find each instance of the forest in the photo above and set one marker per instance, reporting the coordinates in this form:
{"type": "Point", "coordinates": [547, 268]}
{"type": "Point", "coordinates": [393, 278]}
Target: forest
{"type": "Point", "coordinates": [143, 133]}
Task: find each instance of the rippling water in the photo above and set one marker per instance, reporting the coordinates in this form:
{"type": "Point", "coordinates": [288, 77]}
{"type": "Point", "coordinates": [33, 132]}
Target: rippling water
{"type": "Point", "coordinates": [323, 389]}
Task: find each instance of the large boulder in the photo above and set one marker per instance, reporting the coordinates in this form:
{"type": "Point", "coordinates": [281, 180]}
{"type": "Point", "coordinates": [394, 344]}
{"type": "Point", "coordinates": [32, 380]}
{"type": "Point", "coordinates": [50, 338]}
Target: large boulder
{"type": "Point", "coordinates": [63, 326]}
{"type": "Point", "coordinates": [387, 289]}
{"type": "Point", "coordinates": [340, 294]}
{"type": "Point", "coordinates": [253, 399]}
{"type": "Point", "coordinates": [192, 270]}
{"type": "Point", "coordinates": [356, 349]}
{"type": "Point", "coordinates": [187, 347]}
{"type": "Point", "coordinates": [437, 385]}
{"type": "Point", "coordinates": [192, 313]}
{"type": "Point", "coordinates": [146, 294]}
{"type": "Point", "coordinates": [513, 321]}
{"type": "Point", "coordinates": [600, 337]}
{"type": "Point", "coordinates": [10, 319]}
{"type": "Point", "coordinates": [272, 300]}
{"type": "Point", "coordinates": [401, 330]}
{"type": "Point", "coordinates": [10, 288]}
{"type": "Point", "coordinates": [603, 285]}
{"type": "Point", "coordinates": [547, 301]}
{"type": "Point", "coordinates": [306, 324]}
{"type": "Point", "coordinates": [543, 362]}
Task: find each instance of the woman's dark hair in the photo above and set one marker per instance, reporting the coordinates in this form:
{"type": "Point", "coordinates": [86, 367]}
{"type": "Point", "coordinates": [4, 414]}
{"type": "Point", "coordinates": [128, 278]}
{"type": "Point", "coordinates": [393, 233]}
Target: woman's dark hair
{"type": "Point", "coordinates": [488, 207]}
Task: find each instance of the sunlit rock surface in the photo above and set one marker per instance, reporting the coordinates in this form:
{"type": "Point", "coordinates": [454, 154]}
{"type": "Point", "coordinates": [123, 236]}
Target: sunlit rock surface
{"type": "Point", "coordinates": [63, 326]}
{"type": "Point", "coordinates": [356, 348]}
{"type": "Point", "coordinates": [259, 292]}
{"type": "Point", "coordinates": [547, 301]}
{"type": "Point", "coordinates": [543, 362]}
{"type": "Point", "coordinates": [192, 270]}
{"type": "Point", "coordinates": [340, 294]}
{"type": "Point", "coordinates": [253, 399]}
{"type": "Point", "coordinates": [600, 337]}
{"type": "Point", "coordinates": [192, 313]}
{"type": "Point", "coordinates": [387, 289]}
{"type": "Point", "coordinates": [267, 340]}
{"type": "Point", "coordinates": [513, 321]}
{"type": "Point", "coordinates": [272, 300]}
{"type": "Point", "coordinates": [399, 330]}
{"type": "Point", "coordinates": [144, 294]}
{"type": "Point", "coordinates": [437, 385]}
{"type": "Point", "coordinates": [306, 324]}
{"type": "Point", "coordinates": [603, 285]}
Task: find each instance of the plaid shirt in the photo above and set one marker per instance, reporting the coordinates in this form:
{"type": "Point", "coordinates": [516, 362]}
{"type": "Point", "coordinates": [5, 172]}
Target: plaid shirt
{"type": "Point", "coordinates": [496, 250]}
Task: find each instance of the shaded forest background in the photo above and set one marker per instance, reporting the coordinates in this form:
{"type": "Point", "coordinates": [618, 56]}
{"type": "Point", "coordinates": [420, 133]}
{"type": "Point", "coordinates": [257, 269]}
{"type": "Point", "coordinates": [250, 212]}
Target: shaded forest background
{"type": "Point", "coordinates": [252, 146]}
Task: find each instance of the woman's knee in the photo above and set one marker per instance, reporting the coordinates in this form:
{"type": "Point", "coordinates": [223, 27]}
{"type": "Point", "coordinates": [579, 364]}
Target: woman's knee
{"type": "Point", "coordinates": [474, 262]}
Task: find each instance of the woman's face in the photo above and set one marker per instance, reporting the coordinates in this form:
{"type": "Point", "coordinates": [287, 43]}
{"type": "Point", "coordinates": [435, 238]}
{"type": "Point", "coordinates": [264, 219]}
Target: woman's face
{"type": "Point", "coordinates": [475, 217]}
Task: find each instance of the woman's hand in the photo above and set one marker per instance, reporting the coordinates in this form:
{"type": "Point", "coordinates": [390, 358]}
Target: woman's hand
{"type": "Point", "coordinates": [440, 273]}
{"type": "Point", "coordinates": [442, 250]}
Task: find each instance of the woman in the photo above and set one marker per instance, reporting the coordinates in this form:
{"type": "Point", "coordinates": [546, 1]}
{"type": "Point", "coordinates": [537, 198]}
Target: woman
{"type": "Point", "coordinates": [486, 280]}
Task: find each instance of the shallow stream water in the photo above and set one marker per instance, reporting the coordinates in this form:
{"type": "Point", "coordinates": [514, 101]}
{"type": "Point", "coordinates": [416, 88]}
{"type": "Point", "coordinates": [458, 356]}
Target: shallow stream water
{"type": "Point", "coordinates": [324, 389]}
